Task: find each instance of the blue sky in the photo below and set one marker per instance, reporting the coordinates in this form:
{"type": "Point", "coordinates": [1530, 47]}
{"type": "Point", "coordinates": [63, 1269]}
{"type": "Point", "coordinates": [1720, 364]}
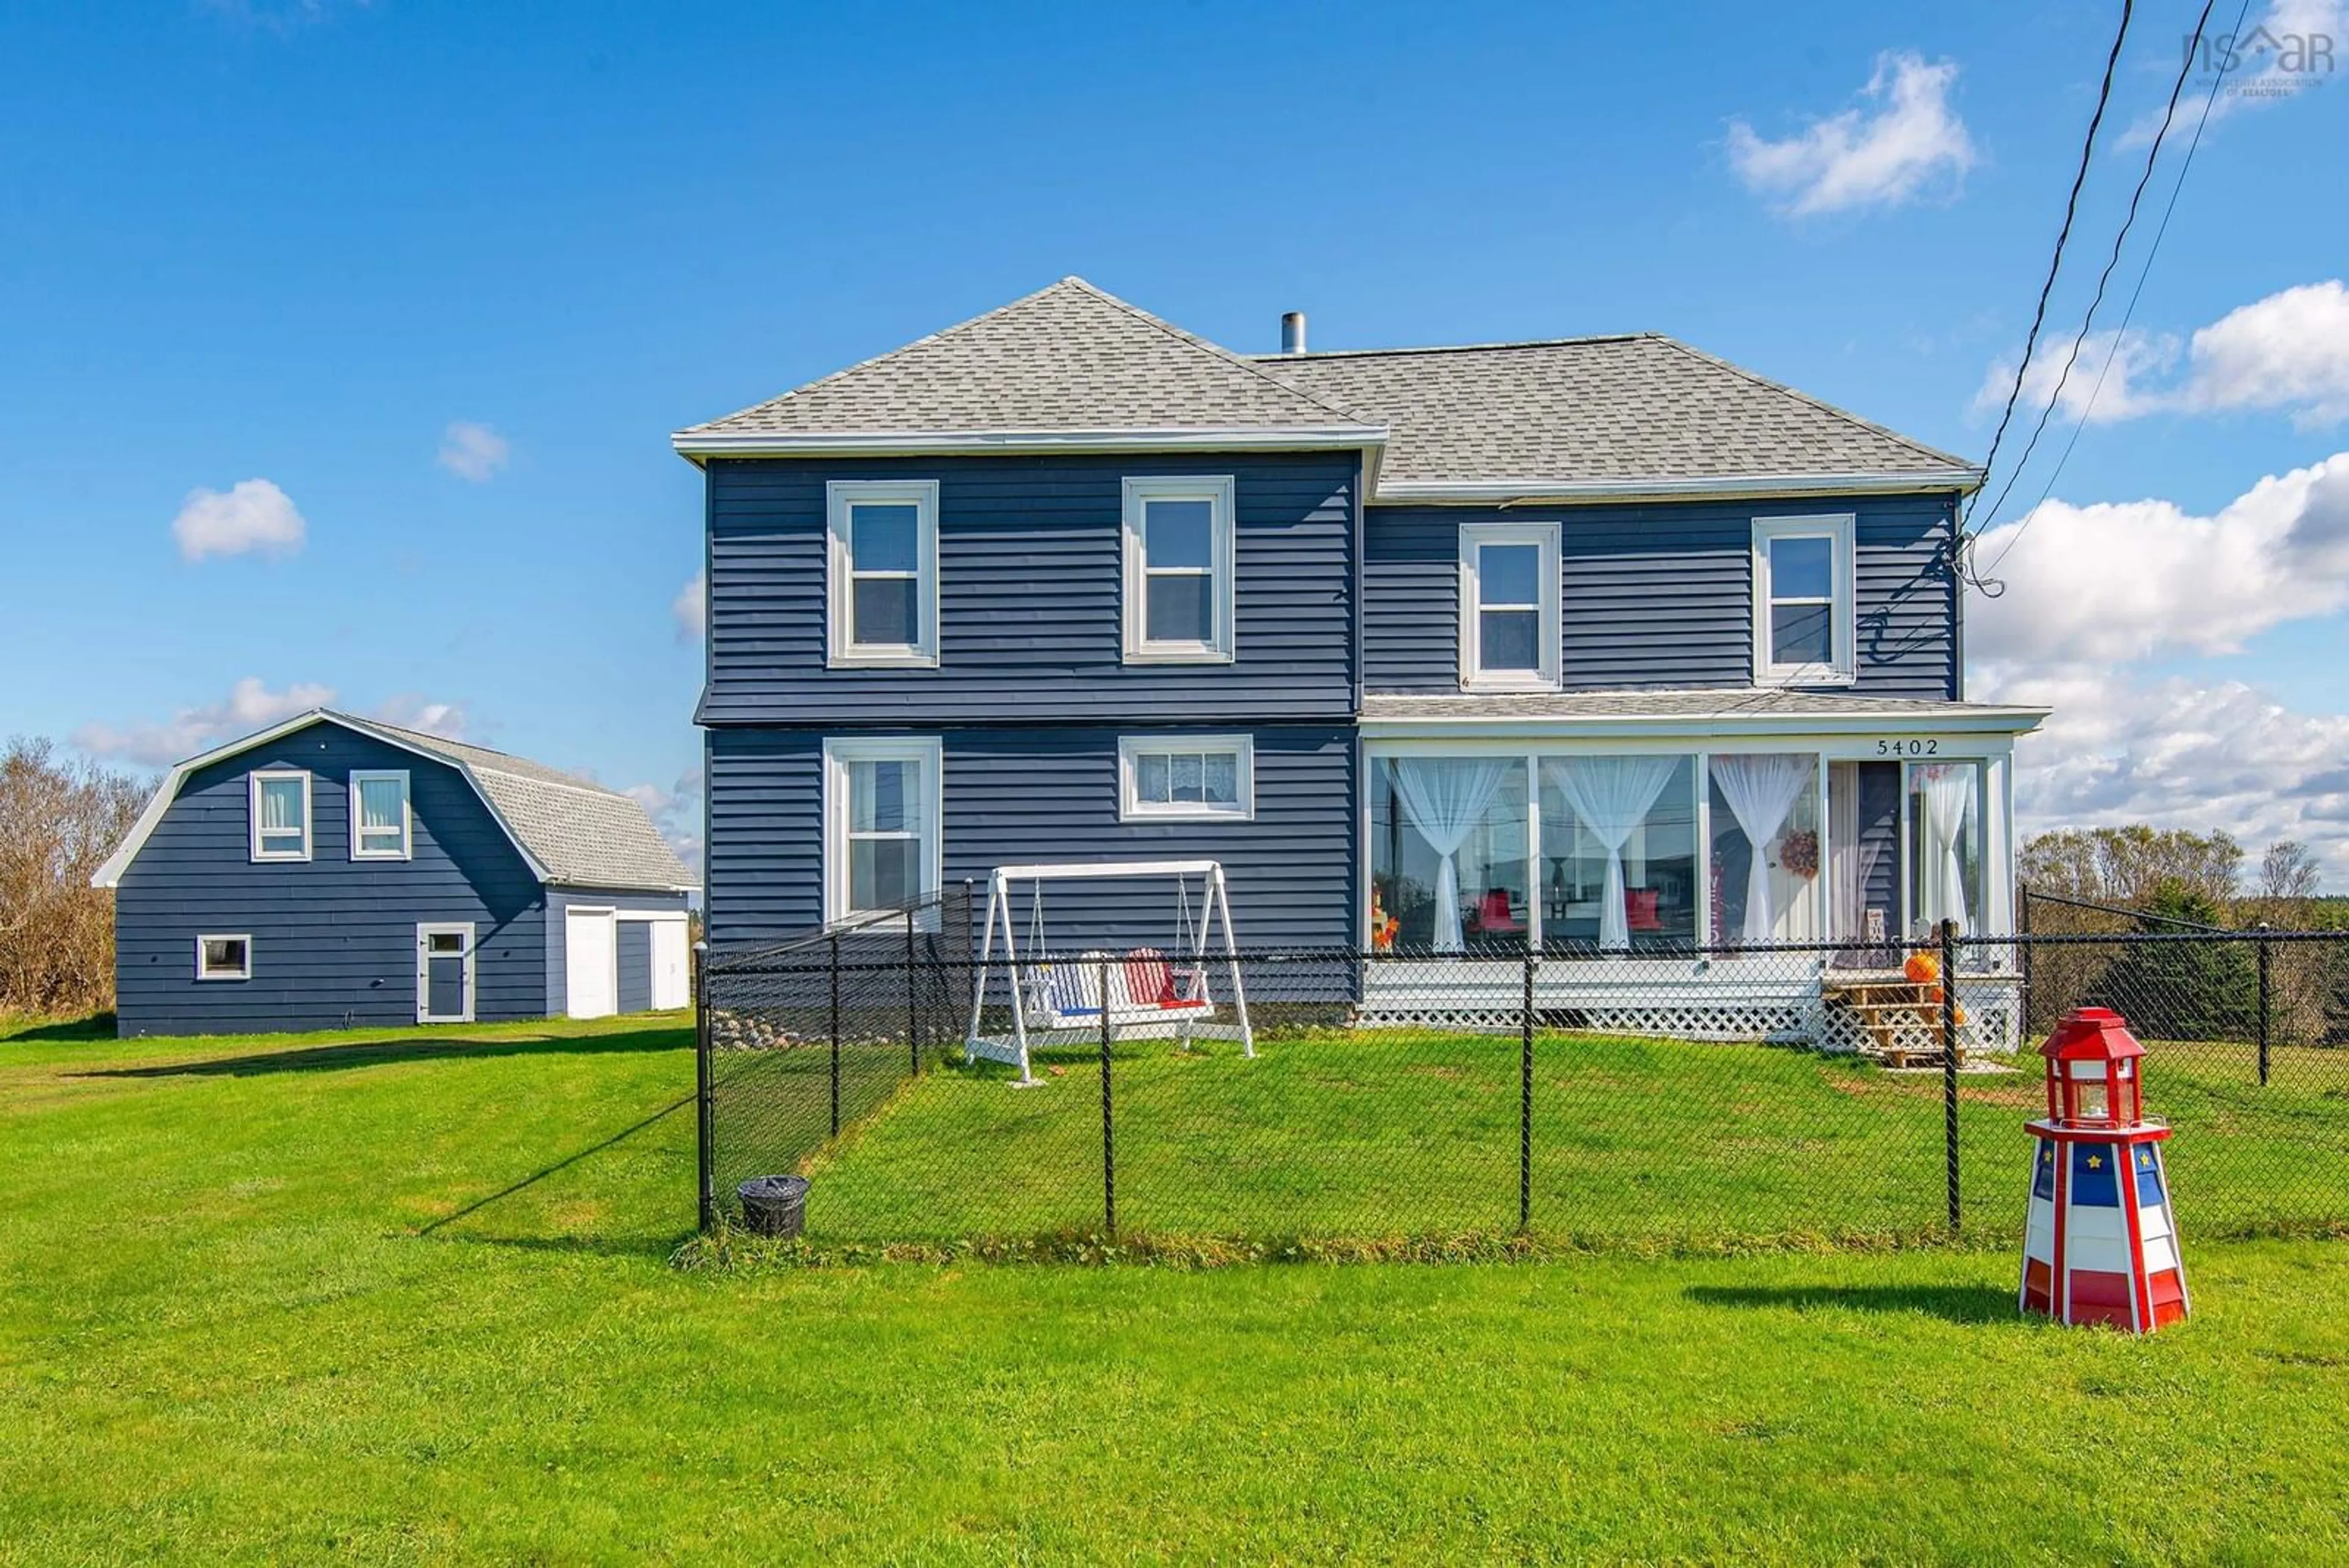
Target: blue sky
{"type": "Point", "coordinates": [444, 277]}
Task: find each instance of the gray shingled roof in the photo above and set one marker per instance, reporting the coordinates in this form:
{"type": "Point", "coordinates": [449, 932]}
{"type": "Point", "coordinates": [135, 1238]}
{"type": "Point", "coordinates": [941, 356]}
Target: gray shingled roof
{"type": "Point", "coordinates": [1590, 410]}
{"type": "Point", "coordinates": [1726, 705]}
{"type": "Point", "coordinates": [1067, 357]}
{"type": "Point", "coordinates": [585, 835]}
{"type": "Point", "coordinates": [1632, 410]}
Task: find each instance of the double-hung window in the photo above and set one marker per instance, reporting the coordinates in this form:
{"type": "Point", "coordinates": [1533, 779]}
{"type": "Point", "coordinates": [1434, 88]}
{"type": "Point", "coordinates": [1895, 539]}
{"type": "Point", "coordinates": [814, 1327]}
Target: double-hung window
{"type": "Point", "coordinates": [882, 805]}
{"type": "Point", "coordinates": [1186, 778]}
{"type": "Point", "coordinates": [882, 601]}
{"type": "Point", "coordinates": [1179, 566]}
{"type": "Point", "coordinates": [1803, 630]}
{"type": "Point", "coordinates": [278, 806]}
{"type": "Point", "coordinates": [1510, 582]}
{"type": "Point", "coordinates": [379, 817]}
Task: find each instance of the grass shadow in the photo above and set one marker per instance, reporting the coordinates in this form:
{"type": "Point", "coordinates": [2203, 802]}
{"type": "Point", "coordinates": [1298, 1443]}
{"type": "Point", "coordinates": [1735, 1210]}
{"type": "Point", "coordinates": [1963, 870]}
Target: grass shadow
{"type": "Point", "coordinates": [659, 1248]}
{"type": "Point", "coordinates": [1956, 1303]}
{"type": "Point", "coordinates": [358, 1054]}
{"type": "Point", "coordinates": [97, 1026]}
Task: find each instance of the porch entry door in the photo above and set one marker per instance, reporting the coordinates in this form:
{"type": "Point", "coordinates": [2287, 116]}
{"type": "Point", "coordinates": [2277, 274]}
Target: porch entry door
{"type": "Point", "coordinates": [444, 972]}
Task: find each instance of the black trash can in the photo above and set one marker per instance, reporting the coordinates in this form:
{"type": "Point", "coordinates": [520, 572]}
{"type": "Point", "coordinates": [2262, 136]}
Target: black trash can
{"type": "Point", "coordinates": [774, 1205]}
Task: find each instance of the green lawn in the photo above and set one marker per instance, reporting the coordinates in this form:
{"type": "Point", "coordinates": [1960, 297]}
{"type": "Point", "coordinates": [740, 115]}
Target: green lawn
{"type": "Point", "coordinates": [265, 1301]}
{"type": "Point", "coordinates": [1374, 1133]}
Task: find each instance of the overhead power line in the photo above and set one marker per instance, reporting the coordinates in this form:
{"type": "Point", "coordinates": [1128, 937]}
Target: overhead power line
{"type": "Point", "coordinates": [2063, 235]}
{"type": "Point", "coordinates": [2120, 334]}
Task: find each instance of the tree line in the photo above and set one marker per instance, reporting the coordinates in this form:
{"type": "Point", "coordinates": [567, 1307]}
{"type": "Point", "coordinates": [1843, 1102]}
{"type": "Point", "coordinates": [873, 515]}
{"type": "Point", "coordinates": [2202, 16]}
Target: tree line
{"type": "Point", "coordinates": [60, 817]}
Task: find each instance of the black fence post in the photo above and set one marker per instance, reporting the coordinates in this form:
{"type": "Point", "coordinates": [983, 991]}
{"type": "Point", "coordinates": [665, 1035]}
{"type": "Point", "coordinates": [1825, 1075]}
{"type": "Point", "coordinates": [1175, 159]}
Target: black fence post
{"type": "Point", "coordinates": [912, 1003]}
{"type": "Point", "coordinates": [2266, 992]}
{"type": "Point", "coordinates": [704, 1117]}
{"type": "Point", "coordinates": [835, 1034]}
{"type": "Point", "coordinates": [2022, 954]}
{"type": "Point", "coordinates": [1109, 1125]}
{"type": "Point", "coordinates": [1525, 1104]}
{"type": "Point", "coordinates": [1949, 1064]}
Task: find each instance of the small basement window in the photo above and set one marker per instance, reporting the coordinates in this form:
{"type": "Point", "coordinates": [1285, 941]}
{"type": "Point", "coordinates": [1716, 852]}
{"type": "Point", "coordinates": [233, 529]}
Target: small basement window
{"type": "Point", "coordinates": [278, 804]}
{"type": "Point", "coordinates": [1187, 778]}
{"type": "Point", "coordinates": [379, 815]}
{"type": "Point", "coordinates": [224, 958]}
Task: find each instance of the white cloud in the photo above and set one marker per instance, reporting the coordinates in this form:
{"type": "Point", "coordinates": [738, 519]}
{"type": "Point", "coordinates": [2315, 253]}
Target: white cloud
{"type": "Point", "coordinates": [410, 712]}
{"type": "Point", "coordinates": [2288, 351]}
{"type": "Point", "coordinates": [2180, 753]}
{"type": "Point", "coordinates": [691, 606]}
{"type": "Point", "coordinates": [1903, 140]}
{"type": "Point", "coordinates": [250, 705]}
{"type": "Point", "coordinates": [2164, 581]}
{"type": "Point", "coordinates": [472, 450]}
{"type": "Point", "coordinates": [2294, 46]}
{"type": "Point", "coordinates": [676, 812]}
{"type": "Point", "coordinates": [255, 514]}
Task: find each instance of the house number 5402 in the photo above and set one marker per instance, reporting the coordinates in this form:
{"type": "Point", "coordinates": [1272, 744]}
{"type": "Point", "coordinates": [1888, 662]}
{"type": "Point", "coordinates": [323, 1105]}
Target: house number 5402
{"type": "Point", "coordinates": [1907, 748]}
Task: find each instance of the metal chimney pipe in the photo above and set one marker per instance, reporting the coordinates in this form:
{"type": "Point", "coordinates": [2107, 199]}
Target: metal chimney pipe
{"type": "Point", "coordinates": [1292, 332]}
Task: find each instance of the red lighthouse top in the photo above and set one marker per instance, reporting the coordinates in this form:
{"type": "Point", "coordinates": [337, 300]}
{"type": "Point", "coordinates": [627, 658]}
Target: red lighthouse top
{"type": "Point", "coordinates": [2092, 1079]}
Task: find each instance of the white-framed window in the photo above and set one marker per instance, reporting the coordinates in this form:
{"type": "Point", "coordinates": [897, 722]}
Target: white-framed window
{"type": "Point", "coordinates": [1510, 580]}
{"type": "Point", "coordinates": [882, 803]}
{"type": "Point", "coordinates": [882, 576]}
{"type": "Point", "coordinates": [224, 958]}
{"type": "Point", "coordinates": [1186, 778]}
{"type": "Point", "coordinates": [1179, 551]}
{"type": "Point", "coordinates": [277, 805]}
{"type": "Point", "coordinates": [380, 815]}
{"type": "Point", "coordinates": [1804, 589]}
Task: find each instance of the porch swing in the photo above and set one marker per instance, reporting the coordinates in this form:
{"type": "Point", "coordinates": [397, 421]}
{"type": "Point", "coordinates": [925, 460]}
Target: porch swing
{"type": "Point", "coordinates": [1139, 994]}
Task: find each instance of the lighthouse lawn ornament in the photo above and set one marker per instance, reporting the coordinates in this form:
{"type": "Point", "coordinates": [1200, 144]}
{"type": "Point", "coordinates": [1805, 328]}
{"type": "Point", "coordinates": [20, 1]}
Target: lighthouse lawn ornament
{"type": "Point", "coordinates": [2099, 1245]}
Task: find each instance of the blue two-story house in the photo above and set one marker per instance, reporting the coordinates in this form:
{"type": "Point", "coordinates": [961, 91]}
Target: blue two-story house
{"type": "Point", "coordinates": [1601, 647]}
{"type": "Point", "coordinates": [333, 871]}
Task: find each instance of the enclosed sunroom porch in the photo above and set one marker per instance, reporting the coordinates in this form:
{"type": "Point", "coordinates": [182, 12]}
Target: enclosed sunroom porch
{"type": "Point", "coordinates": [1717, 865]}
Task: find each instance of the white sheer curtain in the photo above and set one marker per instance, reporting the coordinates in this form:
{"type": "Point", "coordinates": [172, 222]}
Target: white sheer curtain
{"type": "Point", "coordinates": [1762, 791]}
{"type": "Point", "coordinates": [1445, 798]}
{"type": "Point", "coordinates": [1611, 795]}
{"type": "Point", "coordinates": [1947, 793]}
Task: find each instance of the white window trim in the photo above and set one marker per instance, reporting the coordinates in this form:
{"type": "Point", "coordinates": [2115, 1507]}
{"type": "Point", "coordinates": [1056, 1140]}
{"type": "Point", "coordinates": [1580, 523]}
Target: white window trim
{"type": "Point", "coordinates": [1132, 807]}
{"type": "Point", "coordinates": [1219, 492]}
{"type": "Point", "coordinates": [840, 496]}
{"type": "Point", "coordinates": [1837, 528]}
{"type": "Point", "coordinates": [838, 754]}
{"type": "Point", "coordinates": [253, 783]}
{"type": "Point", "coordinates": [1474, 537]}
{"type": "Point", "coordinates": [205, 974]}
{"type": "Point", "coordinates": [406, 850]}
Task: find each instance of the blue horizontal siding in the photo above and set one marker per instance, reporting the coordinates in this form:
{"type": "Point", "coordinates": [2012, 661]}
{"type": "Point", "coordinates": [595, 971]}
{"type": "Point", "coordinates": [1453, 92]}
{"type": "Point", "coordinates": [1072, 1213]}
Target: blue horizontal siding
{"type": "Point", "coordinates": [334, 939]}
{"type": "Point", "coordinates": [1029, 601]}
{"type": "Point", "coordinates": [1661, 596]}
{"type": "Point", "coordinates": [1014, 795]}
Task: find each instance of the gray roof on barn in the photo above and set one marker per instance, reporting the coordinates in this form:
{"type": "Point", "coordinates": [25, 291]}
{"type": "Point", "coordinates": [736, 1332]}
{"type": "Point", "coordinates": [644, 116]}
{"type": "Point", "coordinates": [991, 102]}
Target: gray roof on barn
{"type": "Point", "coordinates": [1589, 410]}
{"type": "Point", "coordinates": [585, 835]}
{"type": "Point", "coordinates": [1069, 359]}
{"type": "Point", "coordinates": [1726, 706]}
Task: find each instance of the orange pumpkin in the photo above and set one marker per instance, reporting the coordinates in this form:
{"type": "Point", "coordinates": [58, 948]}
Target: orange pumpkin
{"type": "Point", "coordinates": [1922, 969]}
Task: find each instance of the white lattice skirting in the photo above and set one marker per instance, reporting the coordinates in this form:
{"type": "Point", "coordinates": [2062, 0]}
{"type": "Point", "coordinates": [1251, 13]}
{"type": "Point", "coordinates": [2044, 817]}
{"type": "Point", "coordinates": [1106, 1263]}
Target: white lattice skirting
{"type": "Point", "coordinates": [1728, 1000]}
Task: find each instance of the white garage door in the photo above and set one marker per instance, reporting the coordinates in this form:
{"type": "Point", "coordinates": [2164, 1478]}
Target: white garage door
{"type": "Point", "coordinates": [591, 965]}
{"type": "Point", "coordinates": [672, 986]}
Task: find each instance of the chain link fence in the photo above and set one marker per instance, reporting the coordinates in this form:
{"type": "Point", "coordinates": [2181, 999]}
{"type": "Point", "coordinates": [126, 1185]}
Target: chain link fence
{"type": "Point", "coordinates": [1666, 1095]}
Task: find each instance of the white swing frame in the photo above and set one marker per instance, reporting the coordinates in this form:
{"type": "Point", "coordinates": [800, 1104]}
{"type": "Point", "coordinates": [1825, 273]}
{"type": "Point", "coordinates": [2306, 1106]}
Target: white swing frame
{"type": "Point", "coordinates": [1130, 1021]}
